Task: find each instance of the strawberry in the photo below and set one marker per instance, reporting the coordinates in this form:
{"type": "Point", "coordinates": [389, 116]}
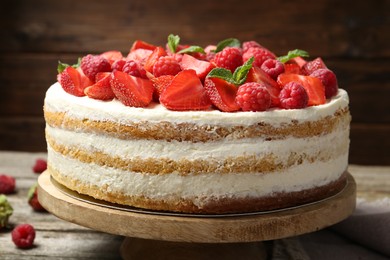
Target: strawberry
{"type": "Point", "coordinates": [298, 60]}
{"type": "Point", "coordinates": [313, 86]}
{"type": "Point", "coordinates": [33, 199]}
{"type": "Point", "coordinates": [71, 81]}
{"type": "Point", "coordinates": [221, 93]}
{"type": "Point", "coordinates": [138, 44]}
{"type": "Point", "coordinates": [139, 55]}
{"type": "Point", "coordinates": [256, 74]}
{"type": "Point", "coordinates": [112, 56]}
{"type": "Point", "coordinates": [292, 68]}
{"type": "Point", "coordinates": [185, 92]}
{"type": "Point", "coordinates": [152, 59]}
{"type": "Point", "coordinates": [39, 166]}
{"type": "Point", "coordinates": [130, 90]}
{"type": "Point", "coordinates": [160, 84]}
{"type": "Point", "coordinates": [313, 65]}
{"type": "Point", "coordinates": [101, 89]}
{"type": "Point", "coordinates": [92, 64]}
{"type": "Point", "coordinates": [6, 211]}
{"type": "Point", "coordinates": [201, 67]}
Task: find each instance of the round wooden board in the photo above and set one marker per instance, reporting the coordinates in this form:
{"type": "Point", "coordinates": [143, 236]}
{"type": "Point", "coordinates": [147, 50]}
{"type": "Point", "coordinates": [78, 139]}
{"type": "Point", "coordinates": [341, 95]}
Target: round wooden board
{"type": "Point", "coordinates": [251, 228]}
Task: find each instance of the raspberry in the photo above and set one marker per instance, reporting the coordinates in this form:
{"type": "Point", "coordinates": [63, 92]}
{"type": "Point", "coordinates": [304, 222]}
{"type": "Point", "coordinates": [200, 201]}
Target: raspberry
{"type": "Point", "coordinates": [40, 166]}
{"type": "Point", "coordinates": [32, 198]}
{"type": "Point", "coordinates": [93, 64]}
{"type": "Point", "coordinates": [118, 65]}
{"type": "Point", "coordinates": [132, 68]}
{"type": "Point", "coordinates": [293, 96]}
{"type": "Point", "coordinates": [253, 96]}
{"type": "Point", "coordinates": [166, 65]}
{"type": "Point", "coordinates": [229, 58]}
{"type": "Point", "coordinates": [260, 55]}
{"type": "Point", "coordinates": [23, 235]}
{"type": "Point", "coordinates": [328, 79]}
{"type": "Point", "coordinates": [249, 44]}
{"type": "Point", "coordinates": [273, 68]}
{"type": "Point", "coordinates": [7, 184]}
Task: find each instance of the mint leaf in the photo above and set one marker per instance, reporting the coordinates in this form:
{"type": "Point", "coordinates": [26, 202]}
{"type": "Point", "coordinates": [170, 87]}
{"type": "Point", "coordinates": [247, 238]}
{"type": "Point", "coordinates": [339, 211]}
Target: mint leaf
{"type": "Point", "coordinates": [230, 42]}
{"type": "Point", "coordinates": [293, 54]}
{"type": "Point", "coordinates": [173, 42]}
{"type": "Point", "coordinates": [240, 74]}
{"type": "Point", "coordinates": [192, 49]}
{"type": "Point", "coordinates": [221, 73]}
{"type": "Point", "coordinates": [62, 66]}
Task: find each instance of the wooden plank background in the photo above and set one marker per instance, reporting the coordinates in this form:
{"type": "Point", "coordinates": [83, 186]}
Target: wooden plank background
{"type": "Point", "coordinates": [353, 37]}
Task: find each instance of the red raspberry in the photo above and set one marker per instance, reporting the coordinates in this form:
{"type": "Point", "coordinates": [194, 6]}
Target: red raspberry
{"type": "Point", "coordinates": [328, 79]}
{"type": "Point", "coordinates": [229, 58]}
{"type": "Point", "coordinates": [253, 96]}
{"type": "Point", "coordinates": [249, 44]}
{"type": "Point", "coordinates": [32, 198]}
{"type": "Point", "coordinates": [293, 96]}
{"type": "Point", "coordinates": [93, 64]}
{"type": "Point", "coordinates": [260, 55]}
{"type": "Point", "coordinates": [166, 65]}
{"type": "Point", "coordinates": [40, 166]}
{"type": "Point", "coordinates": [273, 68]}
{"type": "Point", "coordinates": [118, 65]}
{"type": "Point", "coordinates": [23, 235]}
{"type": "Point", "coordinates": [132, 68]}
{"type": "Point", "coordinates": [7, 184]}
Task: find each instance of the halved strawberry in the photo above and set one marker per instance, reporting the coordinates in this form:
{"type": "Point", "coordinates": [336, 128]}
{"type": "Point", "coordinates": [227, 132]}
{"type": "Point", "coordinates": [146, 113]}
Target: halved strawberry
{"type": "Point", "coordinates": [112, 56]}
{"type": "Point", "coordinates": [130, 90]}
{"type": "Point", "coordinates": [152, 59]}
{"type": "Point", "coordinates": [313, 65]}
{"type": "Point", "coordinates": [292, 68]}
{"type": "Point", "coordinates": [71, 81]}
{"type": "Point", "coordinates": [298, 60]}
{"type": "Point", "coordinates": [313, 86]}
{"type": "Point", "coordinates": [222, 93]}
{"type": "Point", "coordinates": [102, 88]}
{"type": "Point", "coordinates": [160, 84]}
{"type": "Point", "coordinates": [201, 67]}
{"type": "Point", "coordinates": [185, 92]}
{"type": "Point", "coordinates": [256, 74]}
{"type": "Point", "coordinates": [138, 44]}
{"type": "Point", "coordinates": [139, 55]}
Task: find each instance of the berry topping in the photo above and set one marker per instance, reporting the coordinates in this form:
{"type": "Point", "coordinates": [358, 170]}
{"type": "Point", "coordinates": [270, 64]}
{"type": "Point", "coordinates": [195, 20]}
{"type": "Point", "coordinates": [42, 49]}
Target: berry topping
{"type": "Point", "coordinates": [313, 65]}
{"type": "Point", "coordinates": [138, 44]}
{"type": "Point", "coordinates": [102, 88]}
{"type": "Point", "coordinates": [253, 96]}
{"type": "Point", "coordinates": [160, 84]}
{"type": "Point", "coordinates": [249, 44]}
{"type": "Point", "coordinates": [221, 93]}
{"type": "Point", "coordinates": [201, 67]}
{"type": "Point", "coordinates": [260, 55]}
{"type": "Point", "coordinates": [71, 82]}
{"type": "Point", "coordinates": [32, 198]}
{"type": "Point", "coordinates": [132, 68]}
{"type": "Point", "coordinates": [328, 79]}
{"type": "Point", "coordinates": [130, 90]}
{"type": "Point", "coordinates": [7, 184]}
{"type": "Point", "coordinates": [152, 59]}
{"type": "Point", "coordinates": [92, 64]}
{"type": "Point", "coordinates": [112, 56]}
{"type": "Point", "coordinates": [273, 68]}
{"type": "Point", "coordinates": [6, 211]}
{"type": "Point", "coordinates": [39, 166]}
{"type": "Point", "coordinates": [185, 92]}
{"type": "Point", "coordinates": [229, 58]}
{"type": "Point", "coordinates": [23, 235]}
{"type": "Point", "coordinates": [166, 66]}
{"type": "Point", "coordinates": [293, 96]}
{"type": "Point", "coordinates": [118, 65]}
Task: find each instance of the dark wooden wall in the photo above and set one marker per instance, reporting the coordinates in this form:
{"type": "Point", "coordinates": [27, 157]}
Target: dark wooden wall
{"type": "Point", "coordinates": [351, 36]}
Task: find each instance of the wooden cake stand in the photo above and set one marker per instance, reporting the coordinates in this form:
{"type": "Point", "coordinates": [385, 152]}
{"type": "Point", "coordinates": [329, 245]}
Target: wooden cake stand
{"type": "Point", "coordinates": [153, 235]}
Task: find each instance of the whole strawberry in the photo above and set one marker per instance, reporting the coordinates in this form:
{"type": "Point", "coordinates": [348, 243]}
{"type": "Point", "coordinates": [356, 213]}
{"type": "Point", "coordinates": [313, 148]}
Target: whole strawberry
{"type": "Point", "coordinates": [93, 64]}
{"type": "Point", "coordinates": [229, 58]}
{"type": "Point", "coordinates": [39, 166]}
{"type": "Point", "coordinates": [293, 96]}
{"type": "Point", "coordinates": [6, 211]}
{"type": "Point", "coordinates": [7, 184]}
{"type": "Point", "coordinates": [33, 199]}
{"type": "Point", "coordinates": [253, 96]}
{"type": "Point", "coordinates": [23, 236]}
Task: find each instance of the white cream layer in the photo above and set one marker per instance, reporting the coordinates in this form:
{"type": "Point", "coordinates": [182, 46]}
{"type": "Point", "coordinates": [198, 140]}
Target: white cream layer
{"type": "Point", "coordinates": [195, 187]}
{"type": "Point", "coordinates": [57, 100]}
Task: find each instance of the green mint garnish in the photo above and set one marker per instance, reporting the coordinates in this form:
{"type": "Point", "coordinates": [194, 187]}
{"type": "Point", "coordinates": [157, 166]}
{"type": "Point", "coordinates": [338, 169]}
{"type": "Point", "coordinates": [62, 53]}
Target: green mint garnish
{"type": "Point", "coordinates": [230, 42]}
{"type": "Point", "coordinates": [62, 66]}
{"type": "Point", "coordinates": [192, 49]}
{"type": "Point", "coordinates": [293, 54]}
{"type": "Point", "coordinates": [237, 78]}
{"type": "Point", "coordinates": [173, 42]}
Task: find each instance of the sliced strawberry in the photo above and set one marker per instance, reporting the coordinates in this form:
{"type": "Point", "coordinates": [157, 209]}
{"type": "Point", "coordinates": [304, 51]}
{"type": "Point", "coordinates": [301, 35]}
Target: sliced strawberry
{"type": "Point", "coordinates": [313, 65]}
{"type": "Point", "coordinates": [138, 44]}
{"type": "Point", "coordinates": [298, 60]}
{"type": "Point", "coordinates": [71, 82]}
{"type": "Point", "coordinates": [139, 55]}
{"type": "Point", "coordinates": [152, 59]}
{"type": "Point", "coordinates": [112, 56]}
{"type": "Point", "coordinates": [292, 68]}
{"type": "Point", "coordinates": [258, 75]}
{"type": "Point", "coordinates": [313, 86]}
{"type": "Point", "coordinates": [185, 92]}
{"type": "Point", "coordinates": [130, 90]}
{"type": "Point", "coordinates": [102, 88]}
{"type": "Point", "coordinates": [201, 67]}
{"type": "Point", "coordinates": [160, 84]}
{"type": "Point", "coordinates": [222, 94]}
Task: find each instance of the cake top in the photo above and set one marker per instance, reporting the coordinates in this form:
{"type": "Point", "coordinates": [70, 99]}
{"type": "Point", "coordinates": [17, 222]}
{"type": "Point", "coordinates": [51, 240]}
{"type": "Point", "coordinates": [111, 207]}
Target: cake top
{"type": "Point", "coordinates": [229, 76]}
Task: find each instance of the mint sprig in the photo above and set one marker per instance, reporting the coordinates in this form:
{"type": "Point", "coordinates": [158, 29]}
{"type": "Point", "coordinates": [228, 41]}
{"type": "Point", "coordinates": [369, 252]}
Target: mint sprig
{"type": "Point", "coordinates": [62, 66]}
{"type": "Point", "coordinates": [293, 54]}
{"type": "Point", "coordinates": [237, 78]}
{"type": "Point", "coordinates": [192, 49]}
{"type": "Point", "coordinates": [173, 42]}
{"type": "Point", "coordinates": [230, 42]}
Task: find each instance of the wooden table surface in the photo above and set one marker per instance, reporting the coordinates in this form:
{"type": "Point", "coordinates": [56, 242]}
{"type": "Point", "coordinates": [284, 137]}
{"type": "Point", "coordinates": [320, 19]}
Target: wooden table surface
{"type": "Point", "coordinates": [58, 239]}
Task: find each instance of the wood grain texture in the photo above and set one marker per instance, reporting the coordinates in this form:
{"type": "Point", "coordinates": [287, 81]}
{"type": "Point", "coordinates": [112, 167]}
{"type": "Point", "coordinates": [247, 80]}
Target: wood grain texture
{"type": "Point", "coordinates": [353, 40]}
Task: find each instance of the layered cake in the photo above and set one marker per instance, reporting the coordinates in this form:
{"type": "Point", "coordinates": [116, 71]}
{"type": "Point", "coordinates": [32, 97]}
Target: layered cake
{"type": "Point", "coordinates": [229, 128]}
